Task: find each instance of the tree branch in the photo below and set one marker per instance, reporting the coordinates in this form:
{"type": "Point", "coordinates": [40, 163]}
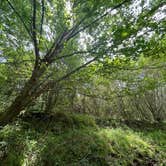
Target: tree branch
{"type": "Point", "coordinates": [21, 19]}
{"type": "Point", "coordinates": [98, 19]}
{"type": "Point", "coordinates": [76, 53]}
{"type": "Point", "coordinates": [42, 16]}
{"type": "Point", "coordinates": [34, 30]}
{"type": "Point", "coordinates": [77, 69]}
{"type": "Point", "coordinates": [43, 87]}
{"type": "Point", "coordinates": [65, 36]}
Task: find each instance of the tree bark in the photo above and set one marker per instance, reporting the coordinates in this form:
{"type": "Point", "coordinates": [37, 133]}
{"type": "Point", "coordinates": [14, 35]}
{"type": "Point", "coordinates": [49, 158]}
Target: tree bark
{"type": "Point", "coordinates": [26, 96]}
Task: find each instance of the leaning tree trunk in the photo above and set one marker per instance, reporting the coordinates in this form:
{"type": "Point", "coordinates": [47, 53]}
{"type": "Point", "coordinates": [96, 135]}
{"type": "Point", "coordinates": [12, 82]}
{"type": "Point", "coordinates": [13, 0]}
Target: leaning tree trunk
{"type": "Point", "coordinates": [26, 96]}
{"type": "Point", "coordinates": [32, 88]}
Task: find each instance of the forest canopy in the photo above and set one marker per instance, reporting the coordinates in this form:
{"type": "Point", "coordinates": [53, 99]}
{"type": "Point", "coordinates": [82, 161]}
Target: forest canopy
{"type": "Point", "coordinates": [90, 56]}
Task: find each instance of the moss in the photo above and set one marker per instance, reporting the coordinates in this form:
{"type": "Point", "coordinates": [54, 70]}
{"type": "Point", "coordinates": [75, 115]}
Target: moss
{"type": "Point", "coordinates": [128, 147]}
{"type": "Point", "coordinates": [80, 142]}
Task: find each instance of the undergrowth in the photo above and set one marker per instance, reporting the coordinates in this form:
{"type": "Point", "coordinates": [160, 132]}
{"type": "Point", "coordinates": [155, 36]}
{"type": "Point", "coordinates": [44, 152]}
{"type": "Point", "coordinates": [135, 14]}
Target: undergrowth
{"type": "Point", "coordinates": [75, 140]}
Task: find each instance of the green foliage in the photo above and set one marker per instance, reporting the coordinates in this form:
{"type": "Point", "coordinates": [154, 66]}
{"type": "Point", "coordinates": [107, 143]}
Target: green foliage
{"type": "Point", "coordinates": [58, 122]}
{"type": "Point", "coordinates": [158, 137]}
{"type": "Point", "coordinates": [79, 145]}
{"type": "Point", "coordinates": [127, 81]}
{"type": "Point", "coordinates": [128, 42]}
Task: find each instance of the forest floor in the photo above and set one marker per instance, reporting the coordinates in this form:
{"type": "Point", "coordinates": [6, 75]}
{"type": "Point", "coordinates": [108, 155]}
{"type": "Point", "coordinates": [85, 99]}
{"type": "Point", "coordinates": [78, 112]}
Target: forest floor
{"type": "Point", "coordinates": [79, 140]}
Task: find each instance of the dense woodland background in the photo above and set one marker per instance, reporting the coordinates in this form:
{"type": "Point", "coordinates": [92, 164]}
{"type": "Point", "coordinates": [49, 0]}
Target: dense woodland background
{"type": "Point", "coordinates": [82, 82]}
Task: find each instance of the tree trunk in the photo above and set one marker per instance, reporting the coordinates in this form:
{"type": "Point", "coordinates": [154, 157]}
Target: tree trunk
{"type": "Point", "coordinates": [26, 96]}
{"type": "Point", "coordinates": [17, 106]}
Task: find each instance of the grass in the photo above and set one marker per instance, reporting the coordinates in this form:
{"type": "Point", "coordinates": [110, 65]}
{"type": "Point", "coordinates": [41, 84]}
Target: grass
{"type": "Point", "coordinates": [74, 140]}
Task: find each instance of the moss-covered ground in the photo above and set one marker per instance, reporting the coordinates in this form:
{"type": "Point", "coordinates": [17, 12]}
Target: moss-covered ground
{"type": "Point", "coordinates": [76, 140]}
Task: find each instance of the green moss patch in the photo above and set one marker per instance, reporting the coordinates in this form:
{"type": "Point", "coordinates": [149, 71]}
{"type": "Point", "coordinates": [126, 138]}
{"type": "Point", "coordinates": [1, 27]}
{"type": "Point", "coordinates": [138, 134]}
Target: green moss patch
{"type": "Point", "coordinates": [78, 143]}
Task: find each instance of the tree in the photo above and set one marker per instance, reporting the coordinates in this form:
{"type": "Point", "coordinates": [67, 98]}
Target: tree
{"type": "Point", "coordinates": [60, 30]}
